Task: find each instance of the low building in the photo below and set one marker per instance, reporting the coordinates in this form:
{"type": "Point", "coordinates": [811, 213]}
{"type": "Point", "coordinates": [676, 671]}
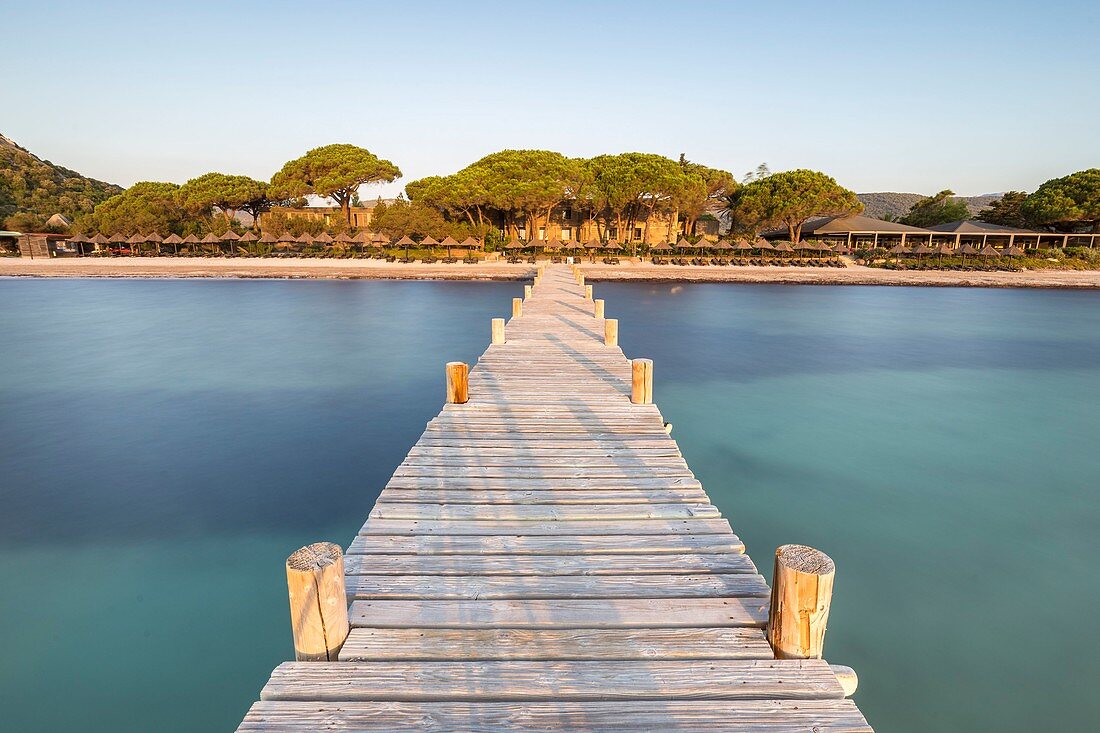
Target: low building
{"type": "Point", "coordinates": [361, 215]}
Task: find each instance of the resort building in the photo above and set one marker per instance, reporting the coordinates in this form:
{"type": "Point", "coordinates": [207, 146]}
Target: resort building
{"type": "Point", "coordinates": [361, 215]}
{"type": "Point", "coordinates": [567, 223]}
{"type": "Point", "coordinates": [864, 232]}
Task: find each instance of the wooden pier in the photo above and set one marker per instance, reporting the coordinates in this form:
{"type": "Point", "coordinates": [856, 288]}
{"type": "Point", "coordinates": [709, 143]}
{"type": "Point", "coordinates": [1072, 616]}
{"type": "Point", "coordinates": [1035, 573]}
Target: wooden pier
{"type": "Point", "coordinates": [544, 560]}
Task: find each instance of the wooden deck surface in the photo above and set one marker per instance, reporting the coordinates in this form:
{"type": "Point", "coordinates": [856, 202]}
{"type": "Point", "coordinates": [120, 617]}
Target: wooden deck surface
{"type": "Point", "coordinates": [544, 560]}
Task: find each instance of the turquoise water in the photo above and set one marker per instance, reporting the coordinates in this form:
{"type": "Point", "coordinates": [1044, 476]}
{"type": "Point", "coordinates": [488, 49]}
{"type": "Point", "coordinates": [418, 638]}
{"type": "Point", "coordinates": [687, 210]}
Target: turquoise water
{"type": "Point", "coordinates": [165, 444]}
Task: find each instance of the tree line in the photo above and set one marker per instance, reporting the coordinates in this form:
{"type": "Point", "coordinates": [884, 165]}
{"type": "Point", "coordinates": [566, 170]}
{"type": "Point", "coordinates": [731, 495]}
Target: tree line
{"type": "Point", "coordinates": [516, 190]}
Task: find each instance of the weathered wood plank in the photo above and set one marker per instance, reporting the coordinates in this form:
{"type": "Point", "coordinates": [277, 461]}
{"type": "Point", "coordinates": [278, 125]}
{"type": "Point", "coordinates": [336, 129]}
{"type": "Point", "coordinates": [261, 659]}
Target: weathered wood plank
{"type": "Point", "coordinates": [789, 679]}
{"type": "Point", "coordinates": [540, 512]}
{"type": "Point", "coordinates": [579, 496]}
{"type": "Point", "coordinates": [634, 716]}
{"type": "Point", "coordinates": [427, 645]}
{"type": "Point", "coordinates": [513, 564]}
{"type": "Point", "coordinates": [653, 613]}
{"type": "Point", "coordinates": [545, 545]}
{"type": "Point", "coordinates": [555, 528]}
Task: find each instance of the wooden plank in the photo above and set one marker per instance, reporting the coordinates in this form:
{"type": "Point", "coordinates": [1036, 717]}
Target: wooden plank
{"type": "Point", "coordinates": [555, 528]}
{"type": "Point", "coordinates": [786, 679]}
{"type": "Point", "coordinates": [652, 613]}
{"type": "Point", "coordinates": [634, 716]}
{"type": "Point", "coordinates": [540, 512]}
{"type": "Point", "coordinates": [537, 484]}
{"type": "Point", "coordinates": [433, 645]}
{"type": "Point", "coordinates": [689, 563]}
{"type": "Point", "coordinates": [490, 587]}
{"type": "Point", "coordinates": [545, 545]}
{"type": "Point", "coordinates": [547, 565]}
{"type": "Point", "coordinates": [579, 496]}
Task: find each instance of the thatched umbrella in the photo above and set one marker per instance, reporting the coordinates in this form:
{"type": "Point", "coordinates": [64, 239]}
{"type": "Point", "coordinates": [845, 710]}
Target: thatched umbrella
{"type": "Point", "coordinates": [614, 247]}
{"type": "Point", "coordinates": [942, 250]}
{"type": "Point", "coordinates": [378, 239]}
{"type": "Point", "coordinates": [783, 247]}
{"type": "Point", "coordinates": [742, 245]}
{"type": "Point", "coordinates": [324, 239]}
{"type": "Point", "coordinates": [99, 240]}
{"type": "Point", "coordinates": [1015, 251]}
{"type": "Point", "coordinates": [763, 245]}
{"type": "Point", "coordinates": [449, 242]}
{"type": "Point", "coordinates": [429, 242]}
{"type": "Point", "coordinates": [190, 240]}
{"type": "Point", "coordinates": [231, 237]}
{"type": "Point", "coordinates": [175, 240]}
{"type": "Point", "coordinates": [805, 246]}
{"type": "Point", "coordinates": [134, 241]}
{"type": "Point", "coordinates": [661, 247]}
{"type": "Point", "coordinates": [989, 251]}
{"type": "Point", "coordinates": [920, 250]}
{"type": "Point", "coordinates": [967, 249]}
{"type": "Point", "coordinates": [554, 244]}
{"type": "Point", "coordinates": [684, 244]}
{"type": "Point", "coordinates": [156, 239]}
{"type": "Point", "coordinates": [723, 245]}
{"type": "Point", "coordinates": [406, 242]}
{"type": "Point", "coordinates": [515, 244]}
{"type": "Point", "coordinates": [344, 238]}
{"type": "Point", "coordinates": [898, 250]}
{"type": "Point", "coordinates": [471, 243]}
{"type": "Point", "coordinates": [305, 238]}
{"type": "Point", "coordinates": [286, 240]}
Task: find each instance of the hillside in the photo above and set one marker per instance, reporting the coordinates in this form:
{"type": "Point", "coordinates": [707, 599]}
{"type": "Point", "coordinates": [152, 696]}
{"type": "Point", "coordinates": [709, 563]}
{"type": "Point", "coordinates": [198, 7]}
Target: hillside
{"type": "Point", "coordinates": [32, 189]}
{"type": "Point", "coordinates": [883, 203]}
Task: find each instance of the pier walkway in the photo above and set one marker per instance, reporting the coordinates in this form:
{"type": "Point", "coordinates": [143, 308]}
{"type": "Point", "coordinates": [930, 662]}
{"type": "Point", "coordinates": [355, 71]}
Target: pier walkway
{"type": "Point", "coordinates": [544, 560]}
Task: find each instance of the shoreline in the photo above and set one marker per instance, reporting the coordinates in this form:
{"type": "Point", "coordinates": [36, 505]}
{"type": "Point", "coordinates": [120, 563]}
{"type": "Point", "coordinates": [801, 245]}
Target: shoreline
{"type": "Point", "coordinates": [333, 269]}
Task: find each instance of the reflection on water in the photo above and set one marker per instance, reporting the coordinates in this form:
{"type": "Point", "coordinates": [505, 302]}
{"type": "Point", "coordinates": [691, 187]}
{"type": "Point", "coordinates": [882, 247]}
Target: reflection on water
{"type": "Point", "coordinates": [164, 445]}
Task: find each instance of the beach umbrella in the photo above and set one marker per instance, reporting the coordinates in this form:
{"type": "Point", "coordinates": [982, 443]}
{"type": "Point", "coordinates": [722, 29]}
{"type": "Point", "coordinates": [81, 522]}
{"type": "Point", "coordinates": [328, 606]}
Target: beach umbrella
{"type": "Point", "coordinates": [763, 245]}
{"type": "Point", "coordinates": [99, 240]}
{"type": "Point", "coordinates": [552, 244]}
{"type": "Point", "coordinates": [286, 241]}
{"type": "Point", "coordinates": [379, 239]}
{"type": "Point", "coordinates": [405, 242]}
{"type": "Point", "coordinates": [344, 238]}
{"type": "Point", "coordinates": [156, 239]}
{"type": "Point", "coordinates": [742, 245]}
{"type": "Point", "coordinates": [722, 244]}
{"type": "Point", "coordinates": [175, 240]}
{"type": "Point", "coordinates": [898, 250]}
{"type": "Point", "coordinates": [614, 247]}
{"type": "Point", "coordinates": [967, 249]}
{"type": "Point", "coordinates": [471, 243]}
{"type": "Point", "coordinates": [783, 247]}
{"type": "Point", "coordinates": [249, 236]}
{"type": "Point", "coordinates": [449, 242]}
{"type": "Point", "coordinates": [324, 238]}
{"type": "Point", "coordinates": [593, 244]}
{"type": "Point", "coordinates": [268, 238]}
{"type": "Point", "coordinates": [1015, 251]}
{"type": "Point", "coordinates": [660, 247]}
{"type": "Point", "coordinates": [804, 247]}
{"type": "Point", "coordinates": [920, 250]}
{"type": "Point", "coordinates": [684, 244]}
{"type": "Point", "coordinates": [134, 241]}
{"type": "Point", "coordinates": [212, 239]}
{"type": "Point", "coordinates": [304, 238]}
{"type": "Point", "coordinates": [515, 244]}
{"type": "Point", "coordinates": [429, 242]}
{"type": "Point", "coordinates": [231, 237]}
{"type": "Point", "coordinates": [190, 240]}
{"type": "Point", "coordinates": [989, 251]}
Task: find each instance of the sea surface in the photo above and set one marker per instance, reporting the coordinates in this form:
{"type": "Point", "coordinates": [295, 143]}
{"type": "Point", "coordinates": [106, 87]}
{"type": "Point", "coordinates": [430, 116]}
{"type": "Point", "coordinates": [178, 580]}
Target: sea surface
{"type": "Point", "coordinates": [165, 444]}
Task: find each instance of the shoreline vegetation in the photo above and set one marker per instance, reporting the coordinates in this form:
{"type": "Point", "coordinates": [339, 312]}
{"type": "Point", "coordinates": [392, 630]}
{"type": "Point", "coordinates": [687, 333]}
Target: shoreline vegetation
{"type": "Point", "coordinates": [626, 270]}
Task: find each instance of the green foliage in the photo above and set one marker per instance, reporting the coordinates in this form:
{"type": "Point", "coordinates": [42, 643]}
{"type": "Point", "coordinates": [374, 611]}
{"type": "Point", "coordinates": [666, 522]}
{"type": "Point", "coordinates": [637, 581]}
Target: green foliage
{"type": "Point", "coordinates": [227, 193]}
{"type": "Point", "coordinates": [144, 207]}
{"type": "Point", "coordinates": [415, 219]}
{"type": "Point", "coordinates": [278, 223]}
{"type": "Point", "coordinates": [938, 209]}
{"type": "Point", "coordinates": [1006, 211]}
{"type": "Point", "coordinates": [335, 172]}
{"type": "Point", "coordinates": [789, 199]}
{"type": "Point", "coordinates": [1071, 199]}
{"type": "Point", "coordinates": [38, 188]}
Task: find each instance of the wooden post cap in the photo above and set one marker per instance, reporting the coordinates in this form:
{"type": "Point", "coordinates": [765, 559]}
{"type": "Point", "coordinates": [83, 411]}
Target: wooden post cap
{"type": "Point", "coordinates": [498, 330]}
{"type": "Point", "coordinates": [641, 392]}
{"type": "Point", "coordinates": [318, 602]}
{"type": "Point", "coordinates": [802, 590]}
{"type": "Point", "coordinates": [611, 332]}
{"type": "Point", "coordinates": [847, 677]}
{"type": "Point", "coordinates": [597, 307]}
{"type": "Point", "coordinates": [517, 307]}
{"type": "Point", "coordinates": [458, 382]}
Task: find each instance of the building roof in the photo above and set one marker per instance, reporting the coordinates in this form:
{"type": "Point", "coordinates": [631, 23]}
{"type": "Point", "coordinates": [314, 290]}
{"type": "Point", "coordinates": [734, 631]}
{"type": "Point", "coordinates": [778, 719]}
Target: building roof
{"type": "Point", "coordinates": [856, 223]}
{"type": "Point", "coordinates": [973, 226]}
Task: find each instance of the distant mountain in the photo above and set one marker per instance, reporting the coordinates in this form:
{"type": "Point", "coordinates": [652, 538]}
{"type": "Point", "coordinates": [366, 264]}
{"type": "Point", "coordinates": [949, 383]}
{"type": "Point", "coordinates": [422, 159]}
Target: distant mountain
{"type": "Point", "coordinates": [882, 204]}
{"type": "Point", "coordinates": [32, 189]}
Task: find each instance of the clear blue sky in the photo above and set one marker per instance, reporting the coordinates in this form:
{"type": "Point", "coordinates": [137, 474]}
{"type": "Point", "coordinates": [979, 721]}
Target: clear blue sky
{"type": "Point", "coordinates": [977, 97]}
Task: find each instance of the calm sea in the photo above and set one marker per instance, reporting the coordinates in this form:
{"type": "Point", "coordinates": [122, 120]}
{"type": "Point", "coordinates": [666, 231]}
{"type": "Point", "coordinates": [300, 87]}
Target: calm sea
{"type": "Point", "coordinates": [165, 444]}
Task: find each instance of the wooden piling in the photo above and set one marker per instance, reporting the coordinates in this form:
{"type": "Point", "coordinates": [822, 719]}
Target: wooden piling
{"type": "Point", "coordinates": [597, 307]}
{"type": "Point", "coordinates": [802, 589]}
{"type": "Point", "coordinates": [318, 602]}
{"type": "Point", "coordinates": [498, 330]}
{"type": "Point", "coordinates": [526, 292]}
{"type": "Point", "coordinates": [611, 332]}
{"type": "Point", "coordinates": [517, 307]}
{"type": "Point", "coordinates": [458, 382]}
{"type": "Point", "coordinates": [641, 392]}
{"type": "Point", "coordinates": [588, 292]}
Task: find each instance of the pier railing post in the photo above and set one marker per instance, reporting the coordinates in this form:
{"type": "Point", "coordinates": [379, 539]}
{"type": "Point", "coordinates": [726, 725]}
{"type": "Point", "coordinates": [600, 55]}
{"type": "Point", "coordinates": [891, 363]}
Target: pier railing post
{"type": "Point", "coordinates": [611, 332]}
{"type": "Point", "coordinates": [526, 292]}
{"type": "Point", "coordinates": [458, 382]}
{"type": "Point", "coordinates": [318, 602]}
{"type": "Point", "coordinates": [641, 392]}
{"type": "Point", "coordinates": [517, 307]}
{"type": "Point", "coordinates": [588, 292]}
{"type": "Point", "coordinates": [498, 330]}
{"type": "Point", "coordinates": [580, 280]}
{"type": "Point", "coordinates": [597, 307]}
{"type": "Point", "coordinates": [802, 589]}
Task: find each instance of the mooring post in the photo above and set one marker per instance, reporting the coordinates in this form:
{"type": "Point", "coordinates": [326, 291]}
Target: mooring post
{"type": "Point", "coordinates": [526, 292]}
{"type": "Point", "coordinates": [498, 330]}
{"type": "Point", "coordinates": [580, 280]}
{"type": "Point", "coordinates": [458, 382]}
{"type": "Point", "coordinates": [588, 292]}
{"type": "Point", "coordinates": [318, 602]}
{"type": "Point", "coordinates": [611, 332]}
{"type": "Point", "coordinates": [802, 589]}
{"type": "Point", "coordinates": [641, 392]}
{"type": "Point", "coordinates": [597, 307]}
{"type": "Point", "coordinates": [517, 307]}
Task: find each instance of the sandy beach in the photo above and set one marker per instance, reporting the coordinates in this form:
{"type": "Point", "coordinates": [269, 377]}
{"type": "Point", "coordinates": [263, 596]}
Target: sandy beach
{"type": "Point", "coordinates": [182, 267]}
